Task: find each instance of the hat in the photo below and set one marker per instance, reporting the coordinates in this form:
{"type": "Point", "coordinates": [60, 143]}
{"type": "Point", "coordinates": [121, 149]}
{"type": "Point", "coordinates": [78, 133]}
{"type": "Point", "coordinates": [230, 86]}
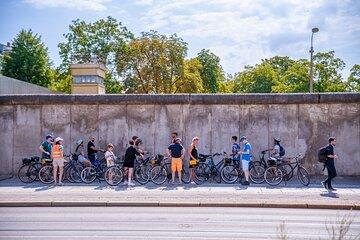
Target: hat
{"type": "Point", "coordinates": [242, 138]}
{"type": "Point", "coordinates": [58, 139]}
{"type": "Point", "coordinates": [78, 142]}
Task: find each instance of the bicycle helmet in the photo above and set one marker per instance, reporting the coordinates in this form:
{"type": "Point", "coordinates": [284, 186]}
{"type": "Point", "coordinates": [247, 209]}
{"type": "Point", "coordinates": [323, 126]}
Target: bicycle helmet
{"type": "Point", "coordinates": [58, 139]}
{"type": "Point", "coordinates": [277, 140]}
{"type": "Point", "coordinates": [78, 142]}
{"type": "Point", "coordinates": [49, 136]}
{"type": "Point", "coordinates": [242, 138]}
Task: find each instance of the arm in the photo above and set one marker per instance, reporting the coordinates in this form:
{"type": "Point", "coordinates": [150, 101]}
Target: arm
{"type": "Point", "coordinates": [168, 153]}
{"type": "Point", "coordinates": [182, 153]}
{"type": "Point", "coordinates": [189, 152]}
{"type": "Point", "coordinates": [41, 148]}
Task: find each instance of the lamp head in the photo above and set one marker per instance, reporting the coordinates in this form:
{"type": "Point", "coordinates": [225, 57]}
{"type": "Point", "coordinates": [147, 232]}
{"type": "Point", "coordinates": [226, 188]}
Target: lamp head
{"type": "Point", "coordinates": [315, 30]}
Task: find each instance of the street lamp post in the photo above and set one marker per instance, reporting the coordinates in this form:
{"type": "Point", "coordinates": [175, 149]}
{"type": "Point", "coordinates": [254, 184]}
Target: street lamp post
{"type": "Point", "coordinates": [314, 30]}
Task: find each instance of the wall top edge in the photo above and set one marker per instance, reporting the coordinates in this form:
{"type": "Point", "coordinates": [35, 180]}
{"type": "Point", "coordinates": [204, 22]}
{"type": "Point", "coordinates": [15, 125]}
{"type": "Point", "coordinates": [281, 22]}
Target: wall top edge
{"type": "Point", "coordinates": [119, 99]}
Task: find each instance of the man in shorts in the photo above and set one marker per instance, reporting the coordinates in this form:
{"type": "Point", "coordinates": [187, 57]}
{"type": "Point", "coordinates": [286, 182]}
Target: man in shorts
{"type": "Point", "coordinates": [176, 151]}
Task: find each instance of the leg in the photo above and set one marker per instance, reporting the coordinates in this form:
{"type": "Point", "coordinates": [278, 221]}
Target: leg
{"type": "Point", "coordinates": [61, 171]}
{"type": "Point", "coordinates": [55, 173]}
{"type": "Point", "coordinates": [173, 170]}
{"type": "Point", "coordinates": [130, 173]}
{"type": "Point", "coordinates": [179, 169]}
{"type": "Point", "coordinates": [331, 173]}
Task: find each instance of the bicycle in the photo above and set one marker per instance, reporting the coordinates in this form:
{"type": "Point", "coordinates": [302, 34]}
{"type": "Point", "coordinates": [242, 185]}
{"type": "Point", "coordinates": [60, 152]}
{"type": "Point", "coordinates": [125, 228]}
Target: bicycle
{"type": "Point", "coordinates": [161, 171]}
{"type": "Point", "coordinates": [284, 171]}
{"type": "Point", "coordinates": [29, 170]}
{"type": "Point", "coordinates": [46, 172]}
{"type": "Point", "coordinates": [95, 171]}
{"type": "Point", "coordinates": [206, 170]}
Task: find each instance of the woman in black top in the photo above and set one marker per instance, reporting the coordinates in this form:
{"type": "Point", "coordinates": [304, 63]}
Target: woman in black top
{"type": "Point", "coordinates": [193, 153]}
{"type": "Point", "coordinates": [130, 156]}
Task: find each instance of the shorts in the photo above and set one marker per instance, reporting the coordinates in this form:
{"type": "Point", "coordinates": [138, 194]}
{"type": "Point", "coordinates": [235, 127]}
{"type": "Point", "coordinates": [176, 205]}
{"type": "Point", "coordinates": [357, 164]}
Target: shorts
{"type": "Point", "coordinates": [129, 163]}
{"type": "Point", "coordinates": [110, 163]}
{"type": "Point", "coordinates": [81, 158]}
{"type": "Point", "coordinates": [245, 165]}
{"type": "Point", "coordinates": [176, 164]}
{"type": "Point", "coordinates": [192, 165]}
{"type": "Point", "coordinates": [58, 162]}
{"type": "Point", "coordinates": [92, 157]}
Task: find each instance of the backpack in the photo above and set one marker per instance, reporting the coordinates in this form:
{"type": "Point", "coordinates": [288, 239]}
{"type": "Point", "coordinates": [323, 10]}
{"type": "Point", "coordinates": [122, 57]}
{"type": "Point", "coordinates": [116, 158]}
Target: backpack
{"type": "Point", "coordinates": [322, 155]}
{"type": "Point", "coordinates": [282, 151]}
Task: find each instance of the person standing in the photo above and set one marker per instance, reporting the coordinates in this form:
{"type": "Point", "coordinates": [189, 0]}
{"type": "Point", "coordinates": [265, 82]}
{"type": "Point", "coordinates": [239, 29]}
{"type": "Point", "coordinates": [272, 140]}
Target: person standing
{"type": "Point", "coordinates": [130, 156]}
{"type": "Point", "coordinates": [330, 164]}
{"type": "Point", "coordinates": [57, 156]}
{"type": "Point", "coordinates": [176, 151]}
{"type": "Point", "coordinates": [110, 156]}
{"type": "Point", "coordinates": [45, 147]}
{"type": "Point", "coordinates": [245, 158]}
{"type": "Point", "coordinates": [92, 149]}
{"type": "Point", "coordinates": [193, 153]}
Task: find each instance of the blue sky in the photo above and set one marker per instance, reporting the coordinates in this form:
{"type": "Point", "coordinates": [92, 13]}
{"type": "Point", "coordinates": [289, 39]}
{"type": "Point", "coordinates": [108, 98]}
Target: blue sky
{"type": "Point", "coordinates": [240, 32]}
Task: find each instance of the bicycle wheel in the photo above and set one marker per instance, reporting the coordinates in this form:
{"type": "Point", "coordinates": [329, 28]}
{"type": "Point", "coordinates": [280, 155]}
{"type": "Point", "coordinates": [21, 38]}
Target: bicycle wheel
{"type": "Point", "coordinates": [114, 176]}
{"type": "Point", "coordinates": [141, 175]}
{"type": "Point", "coordinates": [288, 171]}
{"type": "Point", "coordinates": [75, 173]}
{"type": "Point", "coordinates": [201, 174]}
{"type": "Point", "coordinates": [303, 176]}
{"type": "Point", "coordinates": [88, 175]}
{"type": "Point", "coordinates": [185, 175]}
{"type": "Point", "coordinates": [229, 174]}
{"type": "Point", "coordinates": [273, 176]}
{"type": "Point", "coordinates": [257, 174]}
{"type": "Point", "coordinates": [67, 170]}
{"type": "Point", "coordinates": [25, 173]}
{"type": "Point", "coordinates": [158, 175]}
{"type": "Point", "coordinates": [46, 174]}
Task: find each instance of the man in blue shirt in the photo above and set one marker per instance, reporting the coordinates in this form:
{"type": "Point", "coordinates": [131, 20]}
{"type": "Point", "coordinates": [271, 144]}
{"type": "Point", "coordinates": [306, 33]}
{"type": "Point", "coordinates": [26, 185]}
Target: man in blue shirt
{"type": "Point", "coordinates": [245, 158]}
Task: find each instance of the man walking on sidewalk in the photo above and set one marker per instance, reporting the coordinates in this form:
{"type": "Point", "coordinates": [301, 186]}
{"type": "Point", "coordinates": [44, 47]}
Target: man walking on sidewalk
{"type": "Point", "coordinates": [330, 164]}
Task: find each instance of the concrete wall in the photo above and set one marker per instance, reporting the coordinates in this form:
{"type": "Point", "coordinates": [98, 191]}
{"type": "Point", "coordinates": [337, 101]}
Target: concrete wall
{"type": "Point", "coordinates": [303, 122]}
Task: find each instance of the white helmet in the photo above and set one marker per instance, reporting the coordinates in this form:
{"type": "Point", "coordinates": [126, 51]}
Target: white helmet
{"type": "Point", "coordinates": [78, 142]}
{"type": "Point", "coordinates": [58, 139]}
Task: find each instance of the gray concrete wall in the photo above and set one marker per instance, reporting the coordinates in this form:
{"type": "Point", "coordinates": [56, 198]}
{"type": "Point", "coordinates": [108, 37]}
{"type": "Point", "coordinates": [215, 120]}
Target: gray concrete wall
{"type": "Point", "coordinates": [303, 122]}
{"type": "Point", "coordinates": [15, 86]}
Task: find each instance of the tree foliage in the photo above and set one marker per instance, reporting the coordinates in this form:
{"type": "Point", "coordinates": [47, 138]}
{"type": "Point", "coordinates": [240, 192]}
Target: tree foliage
{"type": "Point", "coordinates": [354, 79]}
{"type": "Point", "coordinates": [152, 63]}
{"type": "Point", "coordinates": [211, 72]}
{"type": "Point", "coordinates": [28, 60]}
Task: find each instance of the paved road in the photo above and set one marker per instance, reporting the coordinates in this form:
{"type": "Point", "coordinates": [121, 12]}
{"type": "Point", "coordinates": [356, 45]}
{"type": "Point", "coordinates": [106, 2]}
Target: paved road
{"type": "Point", "coordinates": [167, 223]}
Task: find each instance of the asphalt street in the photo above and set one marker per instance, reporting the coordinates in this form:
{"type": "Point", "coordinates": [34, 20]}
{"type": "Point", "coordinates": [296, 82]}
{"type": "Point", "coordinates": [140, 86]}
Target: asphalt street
{"type": "Point", "coordinates": [170, 223]}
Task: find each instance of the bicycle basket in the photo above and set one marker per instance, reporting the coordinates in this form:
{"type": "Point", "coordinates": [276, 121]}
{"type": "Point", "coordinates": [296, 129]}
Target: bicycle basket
{"type": "Point", "coordinates": [27, 160]}
{"type": "Point", "coordinates": [157, 160]}
{"type": "Point", "coordinates": [227, 160]}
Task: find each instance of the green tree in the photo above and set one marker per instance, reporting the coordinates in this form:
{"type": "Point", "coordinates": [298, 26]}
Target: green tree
{"type": "Point", "coordinates": [28, 60]}
{"type": "Point", "coordinates": [354, 79]}
{"type": "Point", "coordinates": [61, 82]}
{"type": "Point", "coordinates": [152, 63]}
{"type": "Point", "coordinates": [101, 40]}
{"type": "Point", "coordinates": [191, 81]}
{"type": "Point", "coordinates": [257, 79]}
{"type": "Point", "coordinates": [327, 76]}
{"type": "Point", "coordinates": [212, 72]}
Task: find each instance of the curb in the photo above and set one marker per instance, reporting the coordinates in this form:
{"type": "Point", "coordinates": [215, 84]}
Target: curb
{"type": "Point", "coordinates": [180, 204]}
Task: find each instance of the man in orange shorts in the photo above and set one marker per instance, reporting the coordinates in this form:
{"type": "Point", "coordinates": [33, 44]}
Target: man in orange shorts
{"type": "Point", "coordinates": [176, 151]}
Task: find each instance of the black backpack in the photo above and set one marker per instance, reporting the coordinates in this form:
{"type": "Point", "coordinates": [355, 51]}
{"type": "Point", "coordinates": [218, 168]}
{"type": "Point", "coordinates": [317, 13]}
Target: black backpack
{"type": "Point", "coordinates": [282, 151]}
{"type": "Point", "coordinates": [322, 155]}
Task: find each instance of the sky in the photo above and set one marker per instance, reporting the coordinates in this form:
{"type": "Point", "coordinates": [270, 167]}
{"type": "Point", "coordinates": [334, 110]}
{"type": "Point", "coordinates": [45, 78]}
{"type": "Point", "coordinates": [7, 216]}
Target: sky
{"type": "Point", "coordinates": [240, 32]}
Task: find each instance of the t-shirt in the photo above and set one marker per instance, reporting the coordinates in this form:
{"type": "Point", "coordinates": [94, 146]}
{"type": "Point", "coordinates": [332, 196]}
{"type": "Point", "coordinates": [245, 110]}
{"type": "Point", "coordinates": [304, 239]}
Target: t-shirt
{"type": "Point", "coordinates": [89, 149]}
{"type": "Point", "coordinates": [329, 151]}
{"type": "Point", "coordinates": [246, 156]}
{"type": "Point", "coordinates": [235, 148]}
{"type": "Point", "coordinates": [276, 153]}
{"type": "Point", "coordinates": [176, 150]}
{"type": "Point", "coordinates": [131, 153]}
{"type": "Point", "coordinates": [46, 146]}
{"type": "Point", "coordinates": [109, 154]}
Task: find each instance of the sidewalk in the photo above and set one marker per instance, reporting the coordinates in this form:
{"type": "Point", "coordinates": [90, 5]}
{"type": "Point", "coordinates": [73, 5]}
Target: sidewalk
{"type": "Point", "coordinates": [293, 195]}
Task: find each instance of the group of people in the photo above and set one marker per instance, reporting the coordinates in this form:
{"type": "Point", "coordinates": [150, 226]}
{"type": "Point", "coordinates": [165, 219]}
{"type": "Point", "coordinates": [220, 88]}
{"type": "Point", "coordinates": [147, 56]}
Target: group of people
{"type": "Point", "coordinates": [53, 149]}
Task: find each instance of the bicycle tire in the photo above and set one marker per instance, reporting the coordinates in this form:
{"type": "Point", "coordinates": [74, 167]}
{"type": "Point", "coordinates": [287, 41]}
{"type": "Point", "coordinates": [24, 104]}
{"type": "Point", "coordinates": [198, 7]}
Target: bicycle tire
{"type": "Point", "coordinates": [229, 174]}
{"type": "Point", "coordinates": [185, 176]}
{"type": "Point", "coordinates": [88, 175]}
{"type": "Point", "coordinates": [141, 175]}
{"type": "Point", "coordinates": [75, 173]}
{"type": "Point", "coordinates": [273, 176]}
{"type": "Point", "coordinates": [303, 176]}
{"type": "Point", "coordinates": [257, 174]}
{"type": "Point", "coordinates": [114, 176]}
{"type": "Point", "coordinates": [25, 173]}
{"type": "Point", "coordinates": [46, 174]}
{"type": "Point", "coordinates": [158, 175]}
{"type": "Point", "coordinates": [200, 173]}
{"type": "Point", "coordinates": [288, 171]}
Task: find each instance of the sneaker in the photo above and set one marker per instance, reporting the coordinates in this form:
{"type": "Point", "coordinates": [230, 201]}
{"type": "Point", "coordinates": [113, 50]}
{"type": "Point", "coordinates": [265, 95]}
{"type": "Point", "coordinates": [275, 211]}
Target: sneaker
{"type": "Point", "coordinates": [332, 189]}
{"type": "Point", "coordinates": [324, 185]}
{"type": "Point", "coordinates": [192, 182]}
{"type": "Point", "coordinates": [125, 182]}
{"type": "Point", "coordinates": [246, 183]}
{"type": "Point", "coordinates": [130, 184]}
{"type": "Point", "coordinates": [60, 184]}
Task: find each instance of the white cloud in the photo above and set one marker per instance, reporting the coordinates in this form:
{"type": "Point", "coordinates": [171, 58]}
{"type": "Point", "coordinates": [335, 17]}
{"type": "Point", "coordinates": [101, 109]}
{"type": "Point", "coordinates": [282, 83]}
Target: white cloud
{"type": "Point", "coordinates": [94, 5]}
{"type": "Point", "coordinates": [243, 32]}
